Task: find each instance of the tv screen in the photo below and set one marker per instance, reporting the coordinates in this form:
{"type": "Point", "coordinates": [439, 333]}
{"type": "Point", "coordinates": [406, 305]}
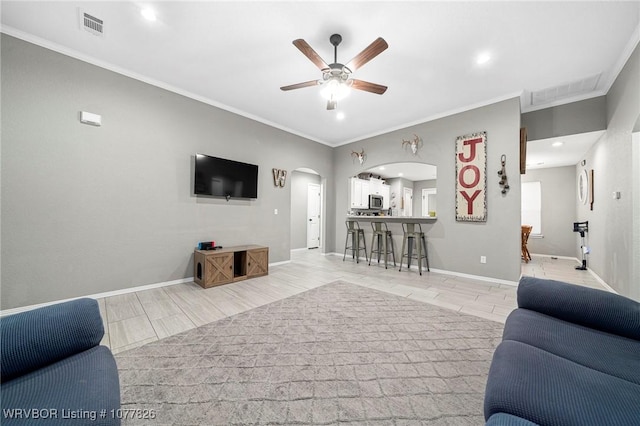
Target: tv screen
{"type": "Point", "coordinates": [218, 177]}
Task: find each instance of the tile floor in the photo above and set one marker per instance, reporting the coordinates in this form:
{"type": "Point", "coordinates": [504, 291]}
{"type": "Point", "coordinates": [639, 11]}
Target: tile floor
{"type": "Point", "coordinates": [134, 319]}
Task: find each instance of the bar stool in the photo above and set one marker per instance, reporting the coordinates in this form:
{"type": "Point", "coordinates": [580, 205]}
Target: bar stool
{"type": "Point", "coordinates": [356, 233]}
{"type": "Point", "coordinates": [381, 232]}
{"type": "Point", "coordinates": [411, 235]}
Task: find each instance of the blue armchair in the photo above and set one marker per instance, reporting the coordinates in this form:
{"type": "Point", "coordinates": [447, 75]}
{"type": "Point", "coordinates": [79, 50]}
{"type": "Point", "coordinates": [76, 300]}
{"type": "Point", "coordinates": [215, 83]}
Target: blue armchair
{"type": "Point", "coordinates": [53, 369]}
{"type": "Point", "coordinates": [570, 355]}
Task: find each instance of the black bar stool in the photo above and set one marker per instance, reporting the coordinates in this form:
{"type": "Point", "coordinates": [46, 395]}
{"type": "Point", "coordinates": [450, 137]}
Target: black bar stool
{"type": "Point", "coordinates": [412, 235]}
{"type": "Point", "coordinates": [356, 233]}
{"type": "Point", "coordinates": [381, 232]}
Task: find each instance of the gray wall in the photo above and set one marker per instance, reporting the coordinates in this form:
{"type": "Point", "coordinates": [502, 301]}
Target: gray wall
{"type": "Point", "coordinates": [93, 209]}
{"type": "Point", "coordinates": [299, 197]}
{"type": "Point", "coordinates": [455, 246]}
{"type": "Point", "coordinates": [569, 119]}
{"type": "Point", "coordinates": [558, 192]}
{"type": "Point", "coordinates": [611, 221]}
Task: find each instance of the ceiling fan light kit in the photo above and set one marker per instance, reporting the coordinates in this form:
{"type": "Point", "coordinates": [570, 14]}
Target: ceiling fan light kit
{"type": "Point", "coordinates": [336, 77]}
{"type": "Point", "coordinates": [336, 89]}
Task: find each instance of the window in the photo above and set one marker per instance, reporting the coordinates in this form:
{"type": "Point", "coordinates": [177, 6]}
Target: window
{"type": "Point", "coordinates": [532, 206]}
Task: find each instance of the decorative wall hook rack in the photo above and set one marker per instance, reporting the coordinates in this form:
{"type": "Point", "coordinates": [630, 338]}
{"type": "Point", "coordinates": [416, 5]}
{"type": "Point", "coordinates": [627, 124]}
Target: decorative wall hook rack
{"type": "Point", "coordinates": [503, 175]}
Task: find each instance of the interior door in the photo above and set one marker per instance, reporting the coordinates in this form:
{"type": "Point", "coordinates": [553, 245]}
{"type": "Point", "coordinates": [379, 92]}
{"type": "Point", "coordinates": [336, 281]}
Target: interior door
{"type": "Point", "coordinates": [407, 198]}
{"type": "Point", "coordinates": [313, 216]}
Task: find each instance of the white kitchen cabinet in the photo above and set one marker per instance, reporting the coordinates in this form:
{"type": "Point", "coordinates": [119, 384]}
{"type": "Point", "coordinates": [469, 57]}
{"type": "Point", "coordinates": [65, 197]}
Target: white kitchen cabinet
{"type": "Point", "coordinates": [358, 193]}
{"type": "Point", "coordinates": [375, 186]}
{"type": "Point", "coordinates": [378, 187]}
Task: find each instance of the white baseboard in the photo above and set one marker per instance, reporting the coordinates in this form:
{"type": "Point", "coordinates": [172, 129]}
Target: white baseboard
{"type": "Point", "coordinates": [556, 257]}
{"type": "Point", "coordinates": [456, 274]}
{"type": "Point", "coordinates": [601, 281]}
{"type": "Point", "coordinates": [111, 293]}
{"type": "Point", "coordinates": [190, 279]}
{"type": "Point", "coordinates": [98, 295]}
{"type": "Point", "coordinates": [474, 277]}
{"type": "Point", "coordinates": [284, 262]}
{"type": "Point", "coordinates": [596, 276]}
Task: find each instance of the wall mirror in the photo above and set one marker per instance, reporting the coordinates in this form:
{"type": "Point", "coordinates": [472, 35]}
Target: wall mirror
{"type": "Point", "coordinates": [413, 187]}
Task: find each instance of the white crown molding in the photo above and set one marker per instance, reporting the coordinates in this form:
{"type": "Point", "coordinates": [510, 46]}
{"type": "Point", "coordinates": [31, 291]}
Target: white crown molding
{"type": "Point", "coordinates": [157, 83]}
{"type": "Point", "coordinates": [434, 117]}
{"type": "Point", "coordinates": [623, 59]}
{"type": "Point", "coordinates": [525, 107]}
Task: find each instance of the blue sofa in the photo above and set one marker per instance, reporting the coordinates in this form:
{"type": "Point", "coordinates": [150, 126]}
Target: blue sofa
{"type": "Point", "coordinates": [570, 355]}
{"type": "Point", "coordinates": [54, 370]}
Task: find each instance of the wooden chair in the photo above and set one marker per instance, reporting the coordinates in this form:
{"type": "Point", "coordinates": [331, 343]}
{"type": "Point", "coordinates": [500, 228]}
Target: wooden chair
{"type": "Point", "coordinates": [526, 231]}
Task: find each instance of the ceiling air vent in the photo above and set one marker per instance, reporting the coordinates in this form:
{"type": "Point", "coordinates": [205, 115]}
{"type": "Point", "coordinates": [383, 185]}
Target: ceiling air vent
{"type": "Point", "coordinates": [92, 24]}
{"type": "Point", "coordinates": [563, 91]}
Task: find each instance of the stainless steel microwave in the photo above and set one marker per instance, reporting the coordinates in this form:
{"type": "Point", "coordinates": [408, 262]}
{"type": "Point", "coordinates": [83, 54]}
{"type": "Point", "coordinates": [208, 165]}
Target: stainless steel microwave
{"type": "Point", "coordinates": [375, 201]}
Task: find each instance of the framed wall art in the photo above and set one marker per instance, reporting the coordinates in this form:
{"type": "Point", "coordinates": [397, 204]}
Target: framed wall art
{"type": "Point", "coordinates": [471, 178]}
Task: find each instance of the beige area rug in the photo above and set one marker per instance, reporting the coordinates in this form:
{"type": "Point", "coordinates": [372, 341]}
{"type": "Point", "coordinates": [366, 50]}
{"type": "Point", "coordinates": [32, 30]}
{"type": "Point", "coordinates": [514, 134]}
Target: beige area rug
{"type": "Point", "coordinates": [339, 353]}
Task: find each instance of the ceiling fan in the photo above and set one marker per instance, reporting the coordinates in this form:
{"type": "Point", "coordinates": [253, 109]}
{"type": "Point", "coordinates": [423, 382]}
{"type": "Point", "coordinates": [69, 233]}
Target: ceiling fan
{"type": "Point", "coordinates": [336, 77]}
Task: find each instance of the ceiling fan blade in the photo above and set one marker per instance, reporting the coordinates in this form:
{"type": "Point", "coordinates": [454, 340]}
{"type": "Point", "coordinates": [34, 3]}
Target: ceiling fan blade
{"type": "Point", "coordinates": [300, 85]}
{"type": "Point", "coordinates": [370, 52]}
{"type": "Point", "coordinates": [308, 51]}
{"type": "Point", "coordinates": [332, 104]}
{"type": "Point", "coordinates": [378, 89]}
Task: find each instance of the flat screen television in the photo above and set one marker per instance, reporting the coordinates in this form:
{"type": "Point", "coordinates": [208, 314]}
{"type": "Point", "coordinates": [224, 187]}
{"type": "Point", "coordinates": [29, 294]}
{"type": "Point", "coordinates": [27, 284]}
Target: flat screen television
{"type": "Point", "coordinates": [218, 177]}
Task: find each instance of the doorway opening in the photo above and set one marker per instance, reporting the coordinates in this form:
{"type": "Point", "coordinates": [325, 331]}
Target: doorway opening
{"type": "Point", "coordinates": [314, 202]}
{"type": "Point", "coordinates": [307, 210]}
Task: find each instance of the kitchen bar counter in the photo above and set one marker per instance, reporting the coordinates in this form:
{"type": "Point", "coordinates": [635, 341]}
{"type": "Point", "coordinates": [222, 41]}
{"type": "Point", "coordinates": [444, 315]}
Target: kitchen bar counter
{"type": "Point", "coordinates": [396, 227]}
{"type": "Point", "coordinates": [391, 219]}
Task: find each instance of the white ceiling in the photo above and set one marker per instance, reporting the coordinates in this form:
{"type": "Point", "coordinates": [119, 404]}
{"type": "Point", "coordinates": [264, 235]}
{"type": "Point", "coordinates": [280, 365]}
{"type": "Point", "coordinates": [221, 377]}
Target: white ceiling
{"type": "Point", "coordinates": [410, 171]}
{"type": "Point", "coordinates": [562, 151]}
{"type": "Point", "coordinates": [236, 55]}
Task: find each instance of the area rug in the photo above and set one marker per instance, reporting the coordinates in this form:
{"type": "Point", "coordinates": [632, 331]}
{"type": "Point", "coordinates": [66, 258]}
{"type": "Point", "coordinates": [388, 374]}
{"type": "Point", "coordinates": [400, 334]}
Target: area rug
{"type": "Point", "coordinates": [340, 353]}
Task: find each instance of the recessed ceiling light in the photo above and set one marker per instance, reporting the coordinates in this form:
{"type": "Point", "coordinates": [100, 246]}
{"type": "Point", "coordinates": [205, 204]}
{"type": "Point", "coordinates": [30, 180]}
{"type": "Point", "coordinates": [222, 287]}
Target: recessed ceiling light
{"type": "Point", "coordinates": [557, 144]}
{"type": "Point", "coordinates": [400, 174]}
{"type": "Point", "coordinates": [340, 115]}
{"type": "Point", "coordinates": [381, 168]}
{"type": "Point", "coordinates": [148, 14]}
{"type": "Point", "coordinates": [483, 58]}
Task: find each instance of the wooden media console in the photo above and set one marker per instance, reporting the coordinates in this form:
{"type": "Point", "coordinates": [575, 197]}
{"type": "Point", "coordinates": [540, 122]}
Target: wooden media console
{"type": "Point", "coordinates": [230, 264]}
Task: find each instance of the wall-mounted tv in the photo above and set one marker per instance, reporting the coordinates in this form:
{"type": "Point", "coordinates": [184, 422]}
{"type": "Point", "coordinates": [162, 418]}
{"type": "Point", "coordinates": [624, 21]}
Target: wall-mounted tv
{"type": "Point", "coordinates": [218, 177]}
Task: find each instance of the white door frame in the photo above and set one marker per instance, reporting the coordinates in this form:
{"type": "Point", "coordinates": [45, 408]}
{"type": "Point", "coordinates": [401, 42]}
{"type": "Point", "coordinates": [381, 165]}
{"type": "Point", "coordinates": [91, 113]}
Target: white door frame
{"type": "Point", "coordinates": [407, 191]}
{"type": "Point", "coordinates": [312, 188]}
